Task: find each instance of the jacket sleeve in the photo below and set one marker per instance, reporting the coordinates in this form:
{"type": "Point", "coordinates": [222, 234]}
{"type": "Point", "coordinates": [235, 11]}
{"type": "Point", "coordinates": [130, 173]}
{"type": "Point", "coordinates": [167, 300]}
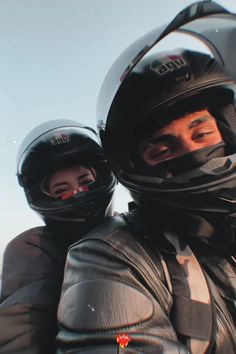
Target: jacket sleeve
{"type": "Point", "coordinates": [106, 294]}
{"type": "Point", "coordinates": [30, 294]}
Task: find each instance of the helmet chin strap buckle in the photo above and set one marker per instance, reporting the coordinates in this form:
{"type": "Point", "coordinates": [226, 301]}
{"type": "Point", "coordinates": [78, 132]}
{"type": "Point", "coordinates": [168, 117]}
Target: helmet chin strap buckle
{"type": "Point", "coordinates": [70, 194]}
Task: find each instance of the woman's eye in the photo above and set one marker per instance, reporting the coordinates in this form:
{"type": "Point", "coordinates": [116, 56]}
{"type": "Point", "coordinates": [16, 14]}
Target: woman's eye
{"type": "Point", "coordinates": [88, 182]}
{"type": "Point", "coordinates": [85, 181]}
{"type": "Point", "coordinates": [61, 191]}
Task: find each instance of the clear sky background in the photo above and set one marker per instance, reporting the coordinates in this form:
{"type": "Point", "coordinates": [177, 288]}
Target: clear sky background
{"type": "Point", "coordinates": [54, 55]}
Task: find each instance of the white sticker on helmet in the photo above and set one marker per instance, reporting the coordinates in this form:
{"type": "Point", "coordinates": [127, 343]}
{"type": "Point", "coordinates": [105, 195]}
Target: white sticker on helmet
{"type": "Point", "coordinates": [61, 138]}
{"type": "Point", "coordinates": [168, 64]}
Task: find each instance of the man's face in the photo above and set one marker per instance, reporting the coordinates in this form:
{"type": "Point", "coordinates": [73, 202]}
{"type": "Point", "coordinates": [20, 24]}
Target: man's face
{"type": "Point", "coordinates": [186, 134]}
{"type": "Point", "coordinates": [68, 180]}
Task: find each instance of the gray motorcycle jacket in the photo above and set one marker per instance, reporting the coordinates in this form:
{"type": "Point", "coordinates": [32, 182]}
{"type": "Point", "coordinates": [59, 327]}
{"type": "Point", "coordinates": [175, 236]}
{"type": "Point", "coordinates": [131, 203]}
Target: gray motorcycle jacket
{"type": "Point", "coordinates": [114, 284]}
{"type": "Point", "coordinates": [33, 268]}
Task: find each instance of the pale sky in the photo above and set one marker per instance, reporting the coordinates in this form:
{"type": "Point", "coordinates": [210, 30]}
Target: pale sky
{"type": "Point", "coordinates": [54, 55]}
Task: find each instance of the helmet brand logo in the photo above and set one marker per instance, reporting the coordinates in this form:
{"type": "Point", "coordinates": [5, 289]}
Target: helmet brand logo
{"type": "Point", "coordinates": [168, 64]}
{"type": "Point", "coordinates": [58, 139]}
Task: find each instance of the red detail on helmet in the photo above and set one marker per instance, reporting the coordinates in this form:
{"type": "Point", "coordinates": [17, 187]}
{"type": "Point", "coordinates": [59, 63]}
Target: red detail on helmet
{"type": "Point", "coordinates": [74, 192]}
{"type": "Point", "coordinates": [84, 188]}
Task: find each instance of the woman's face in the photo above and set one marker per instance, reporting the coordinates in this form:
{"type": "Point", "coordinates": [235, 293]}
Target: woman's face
{"type": "Point", "coordinates": [69, 181]}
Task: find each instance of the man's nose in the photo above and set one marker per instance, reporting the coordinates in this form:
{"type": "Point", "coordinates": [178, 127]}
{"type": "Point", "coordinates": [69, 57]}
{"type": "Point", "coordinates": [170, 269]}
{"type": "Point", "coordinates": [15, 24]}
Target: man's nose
{"type": "Point", "coordinates": [188, 145]}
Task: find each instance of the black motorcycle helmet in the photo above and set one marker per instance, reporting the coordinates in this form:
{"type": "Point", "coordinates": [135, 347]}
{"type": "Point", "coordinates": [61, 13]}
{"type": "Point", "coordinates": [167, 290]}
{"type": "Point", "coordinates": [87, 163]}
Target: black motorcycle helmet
{"type": "Point", "coordinates": [59, 144]}
{"type": "Point", "coordinates": [167, 86]}
{"type": "Point", "coordinates": [199, 202]}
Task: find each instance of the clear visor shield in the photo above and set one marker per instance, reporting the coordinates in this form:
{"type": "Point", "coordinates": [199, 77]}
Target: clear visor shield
{"type": "Point", "coordinates": [204, 20]}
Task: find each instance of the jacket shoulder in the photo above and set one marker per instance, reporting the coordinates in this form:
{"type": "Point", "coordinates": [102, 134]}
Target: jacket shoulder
{"type": "Point", "coordinates": [32, 236]}
{"type": "Point", "coordinates": [117, 239]}
{"type": "Point", "coordinates": [28, 258]}
{"type": "Point", "coordinates": [112, 231]}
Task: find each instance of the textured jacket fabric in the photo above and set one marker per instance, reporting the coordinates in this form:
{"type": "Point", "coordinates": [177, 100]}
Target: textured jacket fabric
{"type": "Point", "coordinates": [33, 268]}
{"type": "Point", "coordinates": [114, 283]}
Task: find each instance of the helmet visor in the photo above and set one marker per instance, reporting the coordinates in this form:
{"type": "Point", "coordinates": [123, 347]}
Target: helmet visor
{"type": "Point", "coordinates": [200, 19]}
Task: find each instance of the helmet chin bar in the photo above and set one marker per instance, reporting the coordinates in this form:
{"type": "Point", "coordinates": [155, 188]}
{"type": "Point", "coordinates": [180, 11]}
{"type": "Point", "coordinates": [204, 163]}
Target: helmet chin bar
{"type": "Point", "coordinates": [219, 167]}
{"type": "Point", "coordinates": [208, 188]}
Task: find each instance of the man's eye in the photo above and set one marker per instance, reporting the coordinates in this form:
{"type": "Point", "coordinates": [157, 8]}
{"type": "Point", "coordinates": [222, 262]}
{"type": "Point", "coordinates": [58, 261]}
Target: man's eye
{"type": "Point", "coordinates": [160, 152]}
{"type": "Point", "coordinates": [203, 134]}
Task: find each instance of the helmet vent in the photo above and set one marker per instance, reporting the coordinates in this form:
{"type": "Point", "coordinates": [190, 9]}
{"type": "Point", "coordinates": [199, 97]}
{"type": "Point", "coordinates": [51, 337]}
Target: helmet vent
{"type": "Point", "coordinates": [210, 65]}
{"type": "Point", "coordinates": [229, 113]}
{"type": "Point", "coordinates": [183, 78]}
{"type": "Point", "coordinates": [146, 179]}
